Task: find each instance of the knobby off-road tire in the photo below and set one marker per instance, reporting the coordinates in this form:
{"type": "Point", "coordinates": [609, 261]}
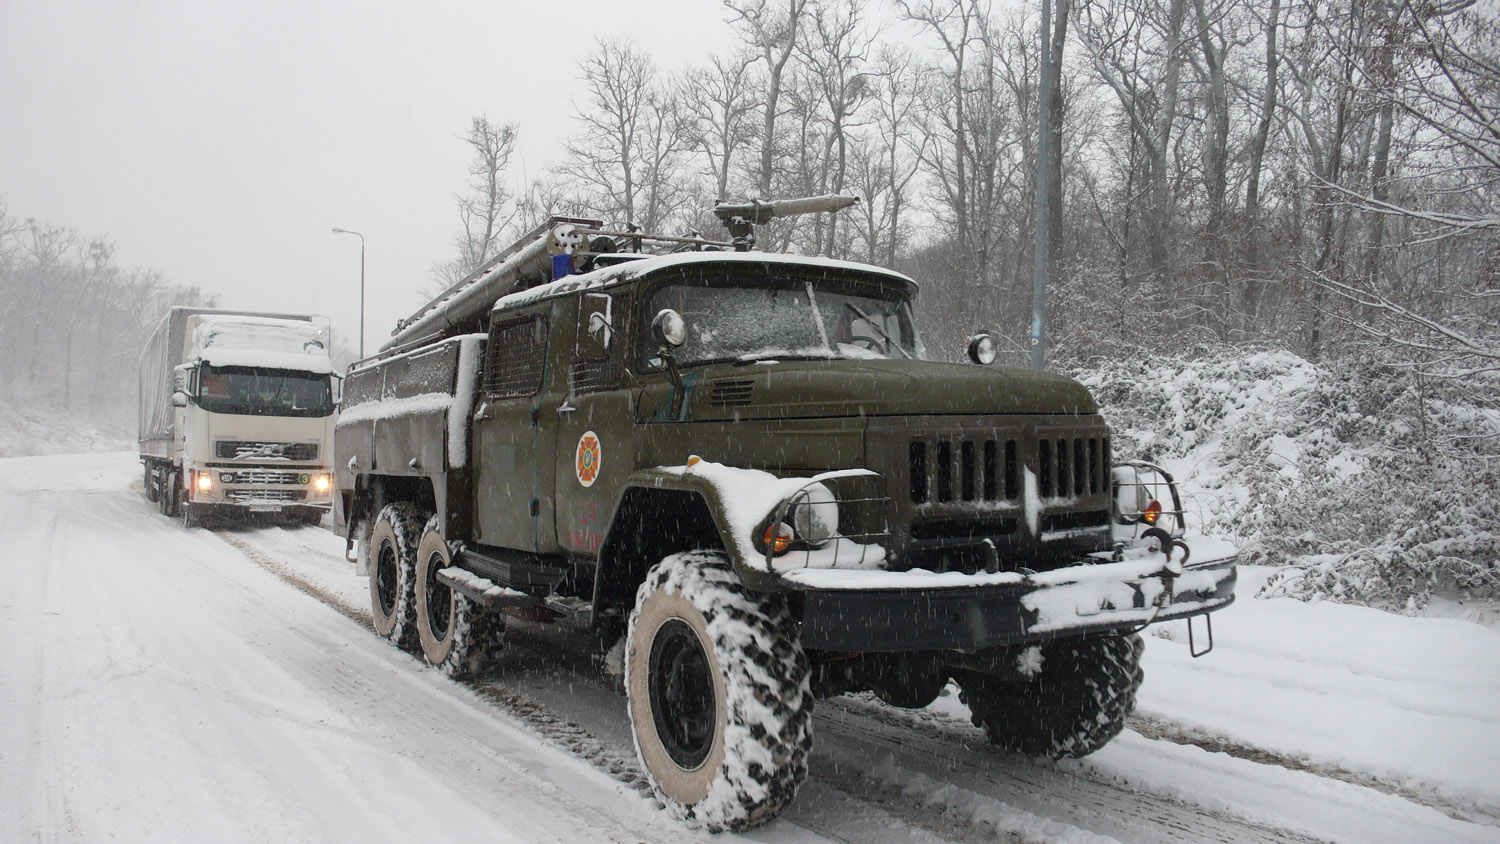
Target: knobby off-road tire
{"type": "Point", "coordinates": [718, 690]}
{"type": "Point", "coordinates": [1072, 707]}
{"type": "Point", "coordinates": [393, 554]}
{"type": "Point", "coordinates": [457, 635]}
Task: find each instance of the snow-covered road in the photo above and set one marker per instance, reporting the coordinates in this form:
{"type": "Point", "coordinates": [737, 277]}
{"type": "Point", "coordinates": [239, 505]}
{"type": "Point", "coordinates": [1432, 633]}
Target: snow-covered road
{"type": "Point", "coordinates": [168, 685]}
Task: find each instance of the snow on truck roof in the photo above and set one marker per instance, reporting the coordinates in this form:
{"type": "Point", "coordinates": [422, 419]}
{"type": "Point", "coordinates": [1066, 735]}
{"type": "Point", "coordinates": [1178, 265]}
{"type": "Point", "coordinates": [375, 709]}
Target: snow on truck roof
{"type": "Point", "coordinates": [636, 267]}
{"type": "Point", "coordinates": [237, 340]}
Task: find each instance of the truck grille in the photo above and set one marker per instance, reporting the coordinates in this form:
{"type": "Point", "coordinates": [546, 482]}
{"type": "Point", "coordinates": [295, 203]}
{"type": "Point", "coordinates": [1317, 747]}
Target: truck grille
{"type": "Point", "coordinates": [983, 469]}
{"type": "Point", "coordinates": [257, 496]}
{"type": "Point", "coordinates": [1072, 466]}
{"type": "Point", "coordinates": [263, 476]}
{"type": "Point", "coordinates": [961, 487]}
{"type": "Point", "coordinates": [260, 450]}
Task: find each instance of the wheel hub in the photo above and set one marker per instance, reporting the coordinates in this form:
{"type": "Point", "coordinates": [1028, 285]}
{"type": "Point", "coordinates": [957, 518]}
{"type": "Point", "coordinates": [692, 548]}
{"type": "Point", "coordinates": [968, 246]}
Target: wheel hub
{"type": "Point", "coordinates": [683, 704]}
{"type": "Point", "coordinates": [385, 578]}
{"type": "Point", "coordinates": [439, 599]}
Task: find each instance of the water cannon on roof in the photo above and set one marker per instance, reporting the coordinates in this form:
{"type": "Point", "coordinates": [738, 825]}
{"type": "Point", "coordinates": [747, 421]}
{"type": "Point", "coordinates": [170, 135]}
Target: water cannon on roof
{"type": "Point", "coordinates": [741, 219]}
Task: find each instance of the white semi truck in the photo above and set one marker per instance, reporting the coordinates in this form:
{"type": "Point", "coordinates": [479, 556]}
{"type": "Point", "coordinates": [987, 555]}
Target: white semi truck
{"type": "Point", "coordinates": [237, 413]}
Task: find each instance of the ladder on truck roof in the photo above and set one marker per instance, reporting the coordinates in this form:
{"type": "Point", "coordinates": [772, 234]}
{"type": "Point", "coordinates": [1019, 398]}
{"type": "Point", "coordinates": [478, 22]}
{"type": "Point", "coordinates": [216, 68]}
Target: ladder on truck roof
{"type": "Point", "coordinates": [529, 260]}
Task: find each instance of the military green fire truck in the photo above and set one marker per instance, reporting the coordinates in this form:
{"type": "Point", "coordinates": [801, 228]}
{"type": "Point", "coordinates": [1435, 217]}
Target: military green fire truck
{"type": "Point", "coordinates": [742, 472]}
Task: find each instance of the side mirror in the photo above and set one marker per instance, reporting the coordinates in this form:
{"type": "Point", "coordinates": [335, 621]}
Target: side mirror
{"type": "Point", "coordinates": [982, 348]}
{"type": "Point", "coordinates": [669, 329]}
{"type": "Point", "coordinates": [179, 399]}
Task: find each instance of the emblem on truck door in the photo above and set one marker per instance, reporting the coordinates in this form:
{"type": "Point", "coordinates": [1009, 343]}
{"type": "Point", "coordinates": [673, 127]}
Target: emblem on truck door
{"type": "Point", "coordinates": [589, 457]}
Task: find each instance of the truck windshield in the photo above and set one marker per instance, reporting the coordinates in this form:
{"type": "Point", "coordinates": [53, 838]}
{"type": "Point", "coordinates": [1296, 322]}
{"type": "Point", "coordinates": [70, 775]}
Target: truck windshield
{"type": "Point", "coordinates": [749, 318]}
{"type": "Point", "coordinates": [258, 391]}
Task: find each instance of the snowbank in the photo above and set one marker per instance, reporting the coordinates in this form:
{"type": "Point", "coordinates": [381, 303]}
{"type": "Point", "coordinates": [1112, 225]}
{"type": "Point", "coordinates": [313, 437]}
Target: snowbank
{"type": "Point", "coordinates": [1366, 483]}
{"type": "Point", "coordinates": [27, 430]}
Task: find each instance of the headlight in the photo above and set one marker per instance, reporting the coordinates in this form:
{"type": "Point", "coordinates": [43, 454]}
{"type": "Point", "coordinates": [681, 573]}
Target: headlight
{"type": "Point", "coordinates": [815, 514]}
{"type": "Point", "coordinates": [322, 483]}
{"type": "Point", "coordinates": [205, 482]}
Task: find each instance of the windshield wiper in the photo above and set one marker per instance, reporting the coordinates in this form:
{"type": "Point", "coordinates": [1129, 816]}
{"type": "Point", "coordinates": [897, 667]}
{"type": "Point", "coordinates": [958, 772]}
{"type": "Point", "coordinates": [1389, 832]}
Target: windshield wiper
{"type": "Point", "coordinates": [877, 329]}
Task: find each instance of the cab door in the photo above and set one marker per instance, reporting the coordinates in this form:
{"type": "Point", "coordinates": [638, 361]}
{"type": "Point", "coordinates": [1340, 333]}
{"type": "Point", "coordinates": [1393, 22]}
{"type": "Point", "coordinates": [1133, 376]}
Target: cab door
{"type": "Point", "coordinates": [514, 441]}
{"type": "Point", "coordinates": [595, 440]}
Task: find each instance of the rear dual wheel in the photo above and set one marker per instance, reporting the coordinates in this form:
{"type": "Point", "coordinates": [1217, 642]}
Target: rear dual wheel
{"type": "Point", "coordinates": [456, 634]}
{"type": "Point", "coordinates": [393, 550]}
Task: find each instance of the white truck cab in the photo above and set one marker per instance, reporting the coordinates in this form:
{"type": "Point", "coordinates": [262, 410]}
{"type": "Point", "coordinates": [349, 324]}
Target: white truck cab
{"type": "Point", "coordinates": [237, 413]}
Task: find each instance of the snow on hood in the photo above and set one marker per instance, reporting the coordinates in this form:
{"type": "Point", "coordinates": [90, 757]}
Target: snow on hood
{"type": "Point", "coordinates": [262, 341]}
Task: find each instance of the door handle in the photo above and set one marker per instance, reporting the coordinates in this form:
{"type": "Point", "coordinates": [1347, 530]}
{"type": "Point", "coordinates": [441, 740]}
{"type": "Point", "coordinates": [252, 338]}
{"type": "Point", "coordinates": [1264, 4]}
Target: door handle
{"type": "Point", "coordinates": [565, 407]}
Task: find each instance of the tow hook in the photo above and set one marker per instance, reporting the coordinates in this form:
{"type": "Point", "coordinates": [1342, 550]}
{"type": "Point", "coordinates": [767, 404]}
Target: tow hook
{"type": "Point", "coordinates": [1168, 544]}
{"type": "Point", "coordinates": [1171, 570]}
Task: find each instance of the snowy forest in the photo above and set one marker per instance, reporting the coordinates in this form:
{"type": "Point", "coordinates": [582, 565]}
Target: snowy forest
{"type": "Point", "coordinates": [1275, 230]}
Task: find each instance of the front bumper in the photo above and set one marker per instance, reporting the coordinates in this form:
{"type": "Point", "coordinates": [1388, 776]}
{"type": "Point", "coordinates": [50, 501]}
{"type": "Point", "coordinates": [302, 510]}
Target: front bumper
{"type": "Point", "coordinates": [886, 612]}
{"type": "Point", "coordinates": [261, 491]}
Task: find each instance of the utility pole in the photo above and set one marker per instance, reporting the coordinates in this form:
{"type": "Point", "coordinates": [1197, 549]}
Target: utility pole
{"type": "Point", "coordinates": [1043, 158]}
{"type": "Point", "coordinates": [361, 287]}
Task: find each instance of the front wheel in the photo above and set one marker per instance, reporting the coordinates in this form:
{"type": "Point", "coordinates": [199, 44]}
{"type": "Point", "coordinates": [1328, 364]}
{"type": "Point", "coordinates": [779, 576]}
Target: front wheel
{"type": "Point", "coordinates": [457, 635]}
{"type": "Point", "coordinates": [718, 690]}
{"type": "Point", "coordinates": [1071, 706]}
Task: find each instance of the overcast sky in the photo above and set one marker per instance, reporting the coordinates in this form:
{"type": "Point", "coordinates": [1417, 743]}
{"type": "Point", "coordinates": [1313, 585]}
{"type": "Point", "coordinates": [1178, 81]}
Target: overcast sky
{"type": "Point", "coordinates": [219, 142]}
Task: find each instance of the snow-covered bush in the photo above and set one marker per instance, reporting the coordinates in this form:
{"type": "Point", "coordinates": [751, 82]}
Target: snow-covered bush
{"type": "Point", "coordinates": [1365, 483]}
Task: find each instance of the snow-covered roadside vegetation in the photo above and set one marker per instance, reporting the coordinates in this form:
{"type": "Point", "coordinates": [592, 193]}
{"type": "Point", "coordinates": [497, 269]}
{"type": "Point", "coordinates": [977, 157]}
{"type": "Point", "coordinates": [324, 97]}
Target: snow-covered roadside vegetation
{"type": "Point", "coordinates": [26, 430]}
{"type": "Point", "coordinates": [1366, 483]}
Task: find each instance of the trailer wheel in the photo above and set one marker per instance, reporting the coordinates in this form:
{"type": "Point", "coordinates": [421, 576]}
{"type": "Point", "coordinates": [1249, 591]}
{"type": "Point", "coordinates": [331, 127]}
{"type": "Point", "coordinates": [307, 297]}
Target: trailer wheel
{"type": "Point", "coordinates": [393, 548]}
{"type": "Point", "coordinates": [151, 494]}
{"type": "Point", "coordinates": [1072, 707]}
{"type": "Point", "coordinates": [717, 686]}
{"type": "Point", "coordinates": [458, 636]}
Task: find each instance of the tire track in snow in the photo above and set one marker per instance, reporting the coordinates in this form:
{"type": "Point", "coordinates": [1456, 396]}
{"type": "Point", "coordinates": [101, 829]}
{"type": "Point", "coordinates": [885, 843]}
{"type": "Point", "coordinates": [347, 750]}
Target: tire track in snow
{"type": "Point", "coordinates": [989, 781]}
{"type": "Point", "coordinates": [285, 572]}
{"type": "Point", "coordinates": [1163, 730]}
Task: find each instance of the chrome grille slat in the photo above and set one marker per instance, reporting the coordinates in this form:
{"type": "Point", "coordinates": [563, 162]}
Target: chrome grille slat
{"type": "Point", "coordinates": [263, 476]}
{"type": "Point", "coordinates": [265, 450]}
{"type": "Point", "coordinates": [270, 496]}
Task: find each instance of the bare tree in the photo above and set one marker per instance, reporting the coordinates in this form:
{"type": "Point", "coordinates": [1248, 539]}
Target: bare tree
{"type": "Point", "coordinates": [720, 109]}
{"type": "Point", "coordinates": [772, 33]}
{"type": "Point", "coordinates": [486, 208]}
{"type": "Point", "coordinates": [626, 158]}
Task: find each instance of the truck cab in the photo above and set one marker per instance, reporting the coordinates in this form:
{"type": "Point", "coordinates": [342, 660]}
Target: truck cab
{"type": "Point", "coordinates": [244, 420]}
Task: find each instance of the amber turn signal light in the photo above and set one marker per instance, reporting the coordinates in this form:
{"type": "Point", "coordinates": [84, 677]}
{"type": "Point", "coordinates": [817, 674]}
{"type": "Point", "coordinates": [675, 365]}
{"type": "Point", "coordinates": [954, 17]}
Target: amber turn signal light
{"type": "Point", "coordinates": [1152, 513]}
{"type": "Point", "coordinates": [778, 538]}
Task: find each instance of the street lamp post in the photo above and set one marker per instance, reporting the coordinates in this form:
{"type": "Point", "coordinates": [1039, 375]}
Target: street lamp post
{"type": "Point", "coordinates": [361, 237]}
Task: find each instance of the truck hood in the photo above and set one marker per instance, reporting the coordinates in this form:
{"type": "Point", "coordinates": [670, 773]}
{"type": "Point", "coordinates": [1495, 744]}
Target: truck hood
{"type": "Point", "coordinates": [803, 389]}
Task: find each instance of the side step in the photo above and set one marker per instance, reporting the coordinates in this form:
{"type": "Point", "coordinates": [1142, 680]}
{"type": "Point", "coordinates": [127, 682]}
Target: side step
{"type": "Point", "coordinates": [482, 591]}
{"type": "Point", "coordinates": [533, 574]}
